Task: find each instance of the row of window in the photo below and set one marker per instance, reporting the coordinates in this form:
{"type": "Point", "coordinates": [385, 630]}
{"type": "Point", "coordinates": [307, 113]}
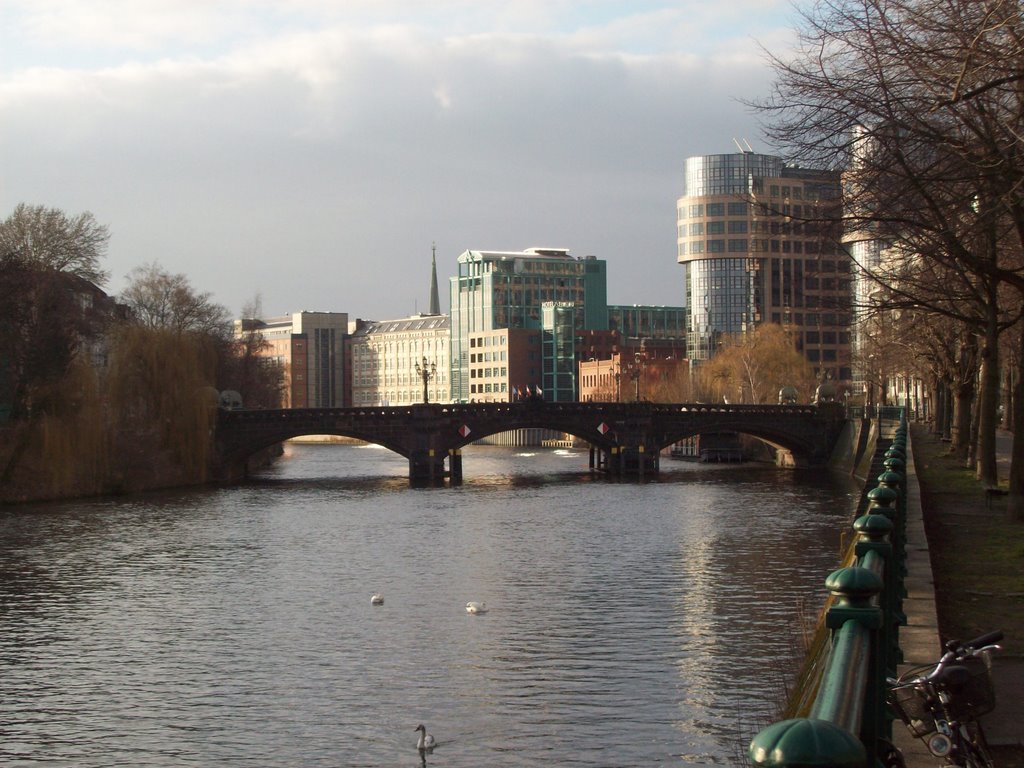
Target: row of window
{"type": "Point", "coordinates": [711, 210]}
{"type": "Point", "coordinates": [392, 397]}
{"type": "Point", "coordinates": [487, 373]}
{"type": "Point", "coordinates": [480, 389]}
{"type": "Point", "coordinates": [488, 357]}
{"type": "Point", "coordinates": [714, 209]}
{"type": "Point", "coordinates": [370, 380]}
{"type": "Point", "coordinates": [753, 245]}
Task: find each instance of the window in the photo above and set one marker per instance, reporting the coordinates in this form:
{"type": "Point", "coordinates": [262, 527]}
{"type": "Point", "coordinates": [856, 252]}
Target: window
{"type": "Point", "coordinates": [696, 229]}
{"type": "Point", "coordinates": [716, 246]}
{"type": "Point", "coordinates": [737, 246]}
{"type": "Point", "coordinates": [738, 227]}
{"type": "Point", "coordinates": [716, 227]}
{"type": "Point", "coordinates": [696, 210]}
{"type": "Point", "coordinates": [716, 209]}
{"type": "Point", "coordinates": [737, 209]}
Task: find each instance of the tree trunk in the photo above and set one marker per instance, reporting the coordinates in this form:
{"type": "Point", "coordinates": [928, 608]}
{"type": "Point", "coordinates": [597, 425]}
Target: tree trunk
{"type": "Point", "coordinates": [988, 400]}
{"type": "Point", "coordinates": [964, 399]}
{"type": "Point", "coordinates": [1016, 497]}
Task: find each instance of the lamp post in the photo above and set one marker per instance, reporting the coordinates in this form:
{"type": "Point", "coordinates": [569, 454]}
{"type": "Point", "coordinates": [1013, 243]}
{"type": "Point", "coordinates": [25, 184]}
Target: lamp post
{"type": "Point", "coordinates": [426, 372]}
{"type": "Point", "coordinates": [639, 361]}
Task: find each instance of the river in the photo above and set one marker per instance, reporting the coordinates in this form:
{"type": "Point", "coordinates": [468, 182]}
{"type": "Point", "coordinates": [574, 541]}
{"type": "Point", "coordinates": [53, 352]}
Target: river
{"type": "Point", "coordinates": [628, 624]}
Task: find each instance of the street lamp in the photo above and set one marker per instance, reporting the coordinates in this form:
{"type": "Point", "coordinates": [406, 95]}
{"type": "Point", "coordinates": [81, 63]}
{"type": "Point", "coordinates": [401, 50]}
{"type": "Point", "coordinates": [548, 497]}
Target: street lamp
{"type": "Point", "coordinates": [426, 372]}
{"type": "Point", "coordinates": [639, 361]}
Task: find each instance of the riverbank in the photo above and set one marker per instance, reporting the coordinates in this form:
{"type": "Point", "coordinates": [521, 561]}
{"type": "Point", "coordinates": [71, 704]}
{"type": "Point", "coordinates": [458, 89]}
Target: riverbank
{"type": "Point", "coordinates": [977, 563]}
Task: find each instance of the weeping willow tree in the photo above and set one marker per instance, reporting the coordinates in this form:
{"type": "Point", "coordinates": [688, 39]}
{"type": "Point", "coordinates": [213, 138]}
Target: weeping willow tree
{"type": "Point", "coordinates": [144, 421]}
{"type": "Point", "coordinates": [67, 447]}
{"type": "Point", "coordinates": [753, 367]}
{"type": "Point", "coordinates": [158, 385]}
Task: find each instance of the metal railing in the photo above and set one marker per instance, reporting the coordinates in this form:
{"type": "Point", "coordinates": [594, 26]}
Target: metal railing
{"type": "Point", "coordinates": [847, 723]}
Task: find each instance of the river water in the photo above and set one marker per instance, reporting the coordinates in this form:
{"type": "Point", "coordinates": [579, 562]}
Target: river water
{"type": "Point", "coordinates": [628, 624]}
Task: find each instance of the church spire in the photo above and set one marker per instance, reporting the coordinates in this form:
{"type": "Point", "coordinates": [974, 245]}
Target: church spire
{"type": "Point", "coordinates": [435, 303]}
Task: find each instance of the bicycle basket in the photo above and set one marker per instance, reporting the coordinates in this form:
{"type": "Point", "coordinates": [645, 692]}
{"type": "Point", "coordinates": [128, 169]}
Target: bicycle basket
{"type": "Point", "coordinates": [974, 695]}
{"type": "Point", "coordinates": [910, 702]}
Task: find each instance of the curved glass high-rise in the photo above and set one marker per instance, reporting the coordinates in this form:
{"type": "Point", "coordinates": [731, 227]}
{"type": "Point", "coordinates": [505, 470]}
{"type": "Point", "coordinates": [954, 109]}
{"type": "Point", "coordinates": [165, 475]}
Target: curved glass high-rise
{"type": "Point", "coordinates": [759, 242]}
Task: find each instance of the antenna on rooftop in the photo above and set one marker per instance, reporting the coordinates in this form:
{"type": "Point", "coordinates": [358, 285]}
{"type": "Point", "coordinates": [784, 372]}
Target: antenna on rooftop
{"type": "Point", "coordinates": [749, 148]}
{"type": "Point", "coordinates": [737, 143]}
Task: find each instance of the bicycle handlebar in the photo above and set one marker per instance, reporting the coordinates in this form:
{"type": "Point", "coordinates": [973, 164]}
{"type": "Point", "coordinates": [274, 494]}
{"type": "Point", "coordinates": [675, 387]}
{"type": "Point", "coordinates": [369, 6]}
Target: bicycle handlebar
{"type": "Point", "coordinates": [989, 638]}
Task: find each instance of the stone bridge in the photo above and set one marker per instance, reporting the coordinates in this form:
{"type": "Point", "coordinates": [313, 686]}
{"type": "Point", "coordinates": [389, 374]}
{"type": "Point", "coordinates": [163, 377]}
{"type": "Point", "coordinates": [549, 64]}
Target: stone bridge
{"type": "Point", "coordinates": [625, 438]}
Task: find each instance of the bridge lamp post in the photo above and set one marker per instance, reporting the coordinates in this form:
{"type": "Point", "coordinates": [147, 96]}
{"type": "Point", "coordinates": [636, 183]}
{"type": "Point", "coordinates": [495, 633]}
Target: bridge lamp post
{"type": "Point", "coordinates": [426, 372]}
{"type": "Point", "coordinates": [639, 362]}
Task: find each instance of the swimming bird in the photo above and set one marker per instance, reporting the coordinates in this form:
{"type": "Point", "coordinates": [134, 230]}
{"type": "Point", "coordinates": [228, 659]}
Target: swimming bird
{"type": "Point", "coordinates": [472, 607]}
{"type": "Point", "coordinates": [377, 599]}
{"type": "Point", "coordinates": [426, 740]}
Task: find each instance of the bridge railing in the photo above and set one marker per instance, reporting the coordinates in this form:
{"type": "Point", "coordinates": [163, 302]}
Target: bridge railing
{"type": "Point", "coordinates": [846, 723]}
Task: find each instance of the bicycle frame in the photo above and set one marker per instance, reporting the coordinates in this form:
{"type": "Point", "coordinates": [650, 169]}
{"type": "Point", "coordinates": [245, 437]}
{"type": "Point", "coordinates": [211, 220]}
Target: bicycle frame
{"type": "Point", "coordinates": [941, 703]}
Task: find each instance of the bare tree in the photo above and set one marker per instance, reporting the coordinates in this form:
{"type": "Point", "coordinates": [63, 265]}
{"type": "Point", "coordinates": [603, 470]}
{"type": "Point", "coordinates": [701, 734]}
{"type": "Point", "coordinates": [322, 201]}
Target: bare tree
{"type": "Point", "coordinates": [921, 100]}
{"type": "Point", "coordinates": [246, 365]}
{"type": "Point", "coordinates": [47, 238]}
{"type": "Point", "coordinates": [159, 299]}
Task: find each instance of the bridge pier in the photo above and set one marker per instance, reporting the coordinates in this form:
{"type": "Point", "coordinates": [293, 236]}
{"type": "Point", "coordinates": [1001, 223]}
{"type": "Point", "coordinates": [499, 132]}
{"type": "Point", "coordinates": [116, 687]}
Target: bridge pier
{"type": "Point", "coordinates": [623, 461]}
{"type": "Point", "coordinates": [455, 466]}
{"type": "Point", "coordinates": [426, 468]}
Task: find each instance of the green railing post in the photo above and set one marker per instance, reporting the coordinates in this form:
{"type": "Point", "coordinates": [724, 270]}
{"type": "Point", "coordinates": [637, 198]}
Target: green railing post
{"type": "Point", "coordinates": [849, 717]}
{"type": "Point", "coordinates": [805, 741]}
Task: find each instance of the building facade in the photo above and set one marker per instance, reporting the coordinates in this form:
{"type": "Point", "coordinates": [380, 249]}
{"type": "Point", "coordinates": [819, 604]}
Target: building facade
{"type": "Point", "coordinates": [760, 242]}
{"type": "Point", "coordinates": [309, 346]}
{"type": "Point", "coordinates": [652, 370]}
{"type": "Point", "coordinates": [542, 290]}
{"type": "Point", "coordinates": [389, 359]}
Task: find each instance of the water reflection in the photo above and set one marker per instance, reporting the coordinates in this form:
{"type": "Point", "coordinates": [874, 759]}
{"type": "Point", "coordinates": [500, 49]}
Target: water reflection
{"type": "Point", "coordinates": [628, 624]}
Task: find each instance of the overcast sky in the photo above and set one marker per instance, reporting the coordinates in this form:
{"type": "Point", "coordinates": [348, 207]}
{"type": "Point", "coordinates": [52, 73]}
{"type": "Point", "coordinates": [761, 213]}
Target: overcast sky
{"type": "Point", "coordinates": [311, 151]}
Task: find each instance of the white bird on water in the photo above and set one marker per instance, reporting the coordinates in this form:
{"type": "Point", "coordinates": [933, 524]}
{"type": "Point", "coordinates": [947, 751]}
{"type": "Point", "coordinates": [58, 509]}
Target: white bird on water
{"type": "Point", "coordinates": [377, 599]}
{"type": "Point", "coordinates": [426, 740]}
{"type": "Point", "coordinates": [472, 607]}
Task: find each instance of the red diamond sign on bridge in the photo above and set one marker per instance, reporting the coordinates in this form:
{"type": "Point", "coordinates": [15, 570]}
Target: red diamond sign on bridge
{"type": "Point", "coordinates": [603, 428]}
{"type": "Point", "coordinates": [464, 430]}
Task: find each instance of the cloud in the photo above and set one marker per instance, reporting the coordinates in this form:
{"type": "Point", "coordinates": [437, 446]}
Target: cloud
{"type": "Point", "coordinates": [317, 163]}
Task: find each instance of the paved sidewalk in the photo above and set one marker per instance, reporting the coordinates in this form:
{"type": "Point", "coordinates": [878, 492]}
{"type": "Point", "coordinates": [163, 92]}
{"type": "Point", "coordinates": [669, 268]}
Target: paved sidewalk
{"type": "Point", "coordinates": [920, 642]}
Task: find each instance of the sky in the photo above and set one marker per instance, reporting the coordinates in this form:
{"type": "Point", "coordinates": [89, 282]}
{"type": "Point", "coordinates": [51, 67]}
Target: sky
{"type": "Point", "coordinates": [309, 154]}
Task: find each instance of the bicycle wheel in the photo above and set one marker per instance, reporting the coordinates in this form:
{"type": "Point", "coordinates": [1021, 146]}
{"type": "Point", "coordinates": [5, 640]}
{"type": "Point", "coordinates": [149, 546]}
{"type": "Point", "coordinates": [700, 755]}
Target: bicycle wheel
{"type": "Point", "coordinates": [889, 756]}
{"type": "Point", "coordinates": [975, 747]}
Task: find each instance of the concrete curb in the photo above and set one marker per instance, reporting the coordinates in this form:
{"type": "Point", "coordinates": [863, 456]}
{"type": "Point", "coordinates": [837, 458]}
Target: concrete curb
{"type": "Point", "coordinates": [921, 642]}
{"type": "Point", "coordinates": [919, 639]}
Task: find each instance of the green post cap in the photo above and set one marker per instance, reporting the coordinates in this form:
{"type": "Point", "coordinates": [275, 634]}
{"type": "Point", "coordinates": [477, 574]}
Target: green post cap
{"type": "Point", "coordinates": [807, 742]}
{"type": "Point", "coordinates": [890, 479]}
{"type": "Point", "coordinates": [872, 526]}
{"type": "Point", "coordinates": [894, 464]}
{"type": "Point", "coordinates": [882, 496]}
{"type": "Point", "coordinates": [853, 585]}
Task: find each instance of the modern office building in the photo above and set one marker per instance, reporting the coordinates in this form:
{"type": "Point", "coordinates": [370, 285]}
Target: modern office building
{"type": "Point", "coordinates": [389, 359]}
{"type": "Point", "coordinates": [544, 292]}
{"type": "Point", "coordinates": [310, 348]}
{"type": "Point", "coordinates": [759, 242]}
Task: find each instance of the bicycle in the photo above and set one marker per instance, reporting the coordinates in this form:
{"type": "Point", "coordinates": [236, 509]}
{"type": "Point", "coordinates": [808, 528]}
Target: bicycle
{"type": "Point", "coordinates": [941, 703]}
